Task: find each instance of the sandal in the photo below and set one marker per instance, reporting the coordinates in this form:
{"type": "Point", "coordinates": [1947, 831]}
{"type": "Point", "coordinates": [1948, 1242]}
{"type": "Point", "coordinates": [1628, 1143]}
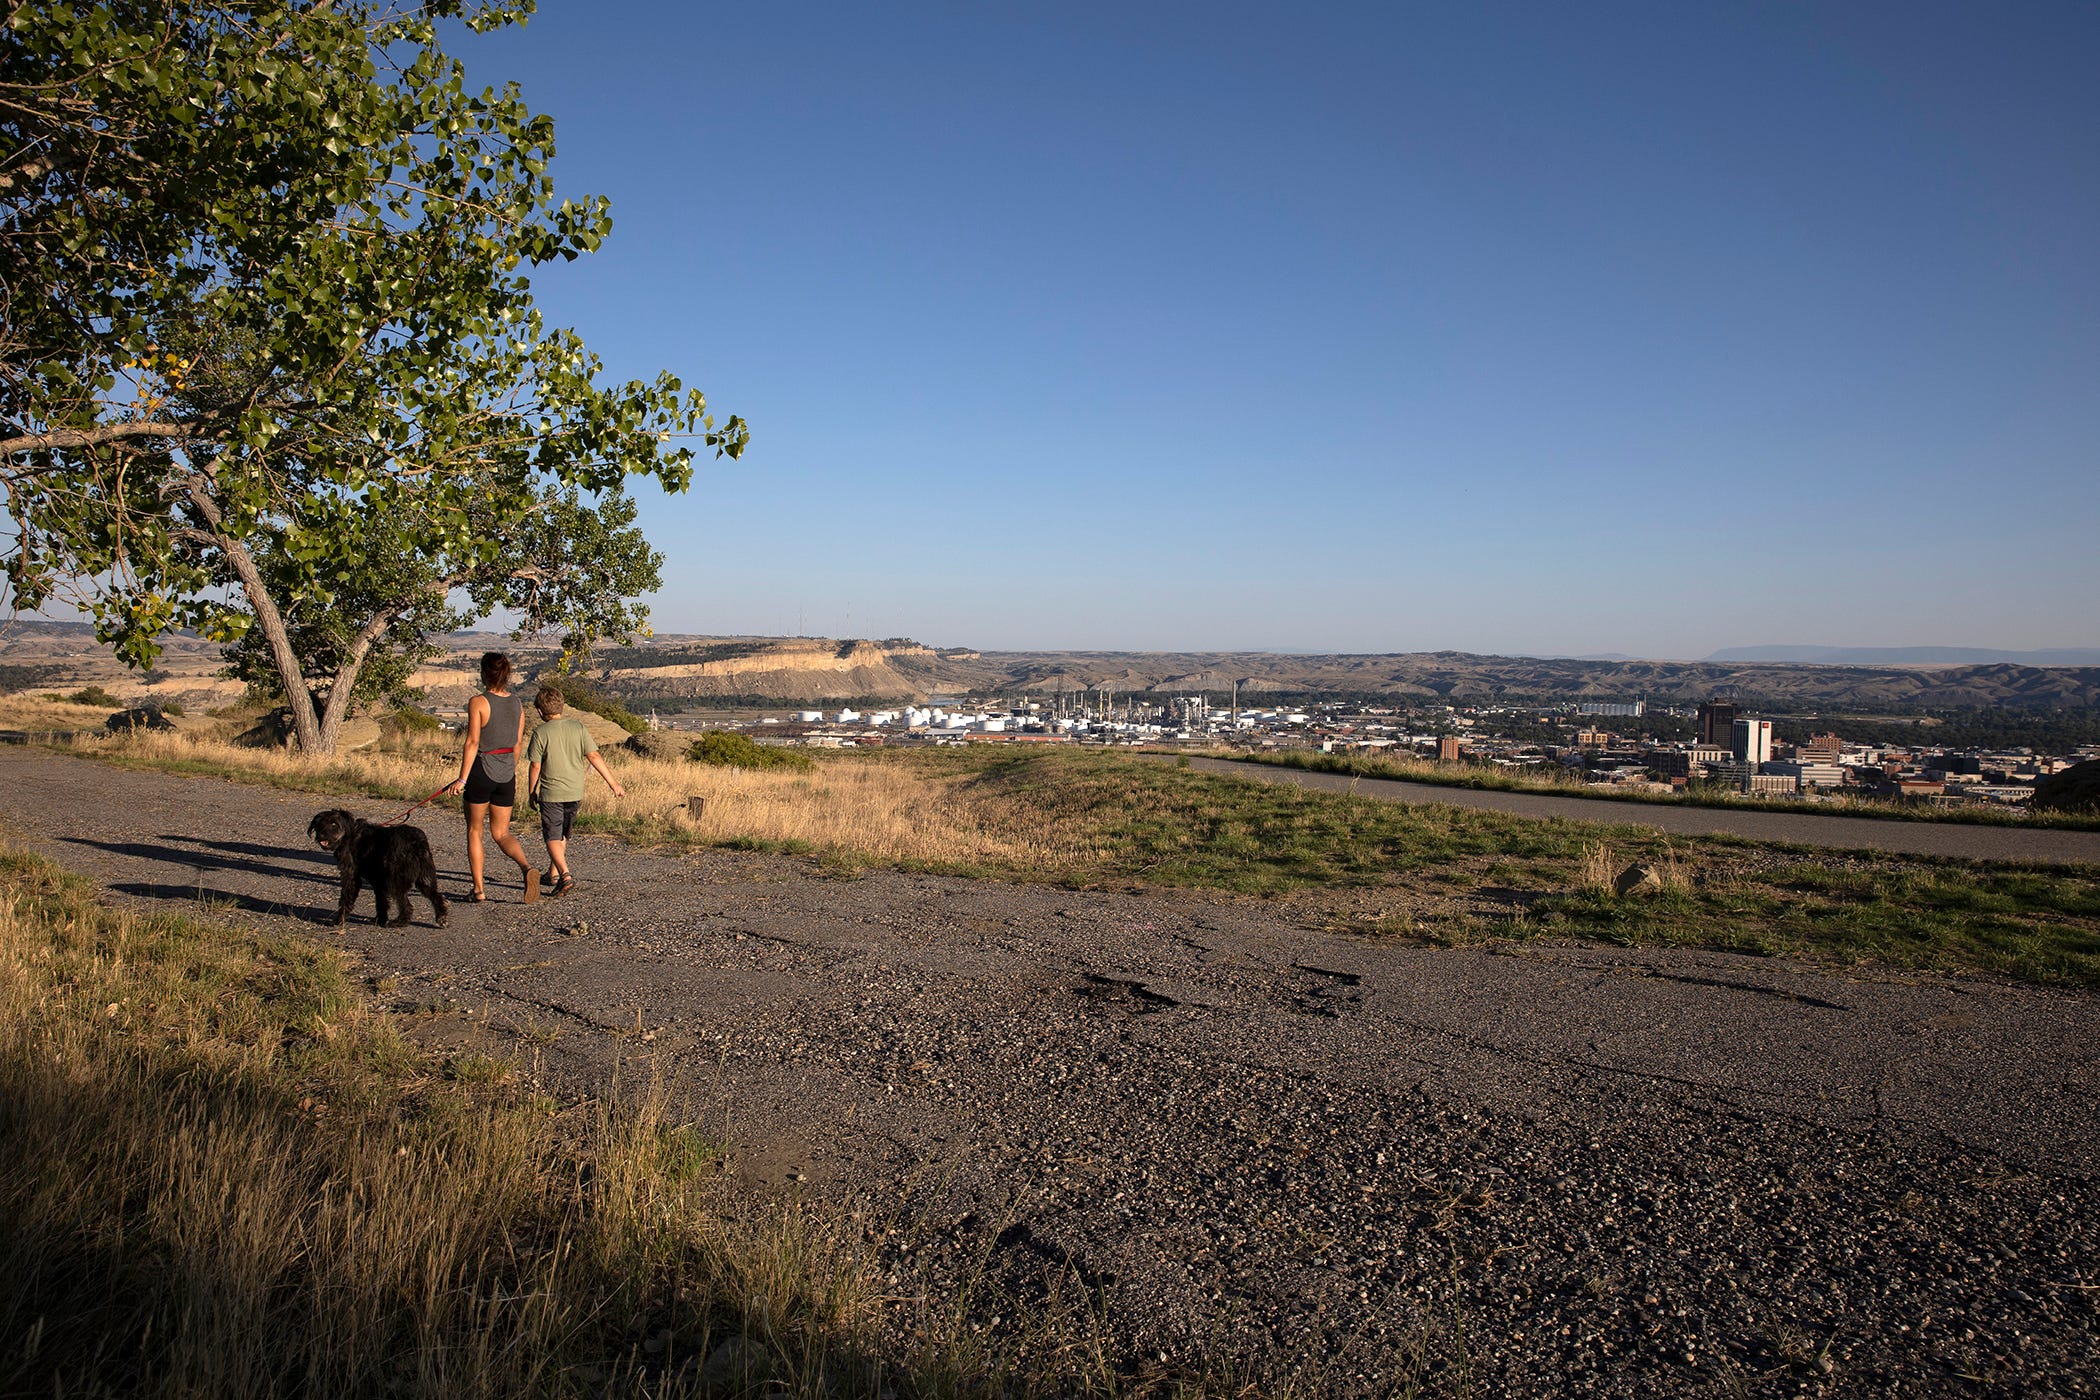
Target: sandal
{"type": "Point", "coordinates": [562, 886]}
{"type": "Point", "coordinates": [478, 897]}
{"type": "Point", "coordinates": [532, 885]}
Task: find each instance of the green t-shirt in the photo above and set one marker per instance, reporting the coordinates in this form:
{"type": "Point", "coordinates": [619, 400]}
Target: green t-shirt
{"type": "Point", "coordinates": [561, 748]}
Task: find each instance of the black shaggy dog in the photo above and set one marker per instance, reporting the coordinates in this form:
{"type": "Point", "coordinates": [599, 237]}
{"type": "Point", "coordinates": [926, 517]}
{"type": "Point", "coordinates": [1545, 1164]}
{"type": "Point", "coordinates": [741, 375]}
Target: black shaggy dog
{"type": "Point", "coordinates": [389, 858]}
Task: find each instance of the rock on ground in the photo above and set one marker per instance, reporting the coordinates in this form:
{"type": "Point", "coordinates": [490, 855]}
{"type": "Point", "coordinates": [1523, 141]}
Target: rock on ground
{"type": "Point", "coordinates": [2076, 789]}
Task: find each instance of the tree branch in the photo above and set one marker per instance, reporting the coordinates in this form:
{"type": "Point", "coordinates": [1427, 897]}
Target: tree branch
{"type": "Point", "coordinates": [91, 437]}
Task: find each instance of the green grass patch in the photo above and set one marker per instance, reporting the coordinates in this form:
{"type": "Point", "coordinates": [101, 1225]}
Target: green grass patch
{"type": "Point", "coordinates": [408, 722]}
{"type": "Point", "coordinates": [1175, 826]}
{"type": "Point", "coordinates": [727, 749]}
{"type": "Point", "coordinates": [2041, 926]}
{"type": "Point", "coordinates": [94, 695]}
{"type": "Point", "coordinates": [1529, 877]}
{"type": "Point", "coordinates": [1556, 784]}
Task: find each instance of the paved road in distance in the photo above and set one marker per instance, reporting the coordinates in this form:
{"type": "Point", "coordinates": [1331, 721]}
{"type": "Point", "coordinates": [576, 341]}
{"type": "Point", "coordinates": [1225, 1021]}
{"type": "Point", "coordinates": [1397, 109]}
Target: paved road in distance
{"type": "Point", "coordinates": [2006, 843]}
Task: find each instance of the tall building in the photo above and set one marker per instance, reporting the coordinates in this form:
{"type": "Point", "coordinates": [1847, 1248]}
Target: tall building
{"type": "Point", "coordinates": [1717, 721]}
{"type": "Point", "coordinates": [1448, 750]}
{"type": "Point", "coordinates": [1821, 748]}
{"type": "Point", "coordinates": [1753, 741]}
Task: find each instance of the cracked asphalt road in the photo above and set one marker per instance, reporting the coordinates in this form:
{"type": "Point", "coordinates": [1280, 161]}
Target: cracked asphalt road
{"type": "Point", "coordinates": [1541, 1169]}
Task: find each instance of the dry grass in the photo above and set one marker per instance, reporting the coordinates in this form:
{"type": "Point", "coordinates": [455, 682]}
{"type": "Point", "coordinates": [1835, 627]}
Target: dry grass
{"type": "Point", "coordinates": [1599, 867]}
{"type": "Point", "coordinates": [1597, 870]}
{"type": "Point", "coordinates": [222, 1174]}
{"type": "Point", "coordinates": [1407, 766]}
{"type": "Point", "coordinates": [883, 812]}
{"type": "Point", "coordinates": [32, 711]}
{"type": "Point", "coordinates": [847, 810]}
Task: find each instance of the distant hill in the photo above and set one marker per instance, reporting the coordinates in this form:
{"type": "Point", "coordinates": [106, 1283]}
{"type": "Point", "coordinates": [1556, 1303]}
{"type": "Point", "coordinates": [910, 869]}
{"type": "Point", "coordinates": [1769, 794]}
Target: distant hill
{"type": "Point", "coordinates": [1578, 656]}
{"type": "Point", "coordinates": [1465, 677]}
{"type": "Point", "coordinates": [770, 668]}
{"type": "Point", "coordinates": [1910, 656]}
{"type": "Point", "coordinates": [814, 670]}
{"type": "Point", "coordinates": [40, 655]}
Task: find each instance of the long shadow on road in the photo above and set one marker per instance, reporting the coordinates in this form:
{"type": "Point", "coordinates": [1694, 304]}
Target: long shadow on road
{"type": "Point", "coordinates": [216, 856]}
{"type": "Point", "coordinates": [209, 900]}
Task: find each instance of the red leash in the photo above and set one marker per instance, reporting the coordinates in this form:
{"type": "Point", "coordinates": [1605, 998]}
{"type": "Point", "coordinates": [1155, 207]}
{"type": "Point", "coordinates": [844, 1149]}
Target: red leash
{"type": "Point", "coordinates": [419, 806]}
{"type": "Point", "coordinates": [434, 796]}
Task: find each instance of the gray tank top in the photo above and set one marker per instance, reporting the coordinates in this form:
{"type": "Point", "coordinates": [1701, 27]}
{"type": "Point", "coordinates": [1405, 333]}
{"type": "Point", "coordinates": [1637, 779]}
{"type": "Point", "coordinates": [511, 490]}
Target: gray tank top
{"type": "Point", "coordinates": [501, 732]}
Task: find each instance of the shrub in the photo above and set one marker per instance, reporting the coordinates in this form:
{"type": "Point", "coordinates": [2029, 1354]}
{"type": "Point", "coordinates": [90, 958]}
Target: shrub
{"type": "Point", "coordinates": [95, 695]}
{"type": "Point", "coordinates": [580, 694]}
{"type": "Point", "coordinates": [172, 707]}
{"type": "Point", "coordinates": [410, 720]}
{"type": "Point", "coordinates": [727, 750]}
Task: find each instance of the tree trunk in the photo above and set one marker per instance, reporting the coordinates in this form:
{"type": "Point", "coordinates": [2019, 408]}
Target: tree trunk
{"type": "Point", "coordinates": [346, 677]}
{"type": "Point", "coordinates": [305, 724]}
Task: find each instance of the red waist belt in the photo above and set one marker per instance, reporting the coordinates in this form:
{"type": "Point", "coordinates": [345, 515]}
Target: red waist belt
{"type": "Point", "coordinates": [491, 753]}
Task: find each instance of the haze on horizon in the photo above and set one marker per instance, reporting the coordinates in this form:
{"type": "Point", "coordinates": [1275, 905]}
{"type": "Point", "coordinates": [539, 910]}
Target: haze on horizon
{"type": "Point", "coordinates": [1628, 328]}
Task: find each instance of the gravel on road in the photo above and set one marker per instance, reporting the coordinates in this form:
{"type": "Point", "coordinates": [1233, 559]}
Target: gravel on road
{"type": "Point", "coordinates": [1532, 1170]}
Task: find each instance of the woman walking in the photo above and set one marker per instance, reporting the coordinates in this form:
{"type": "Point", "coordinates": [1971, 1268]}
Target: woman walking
{"type": "Point", "coordinates": [488, 771]}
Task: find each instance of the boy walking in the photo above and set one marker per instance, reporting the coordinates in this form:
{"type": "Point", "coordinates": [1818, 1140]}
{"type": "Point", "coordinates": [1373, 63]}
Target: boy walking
{"type": "Point", "coordinates": [559, 756]}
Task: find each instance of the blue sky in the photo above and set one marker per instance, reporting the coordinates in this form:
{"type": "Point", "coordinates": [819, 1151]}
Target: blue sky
{"type": "Point", "coordinates": [1643, 328]}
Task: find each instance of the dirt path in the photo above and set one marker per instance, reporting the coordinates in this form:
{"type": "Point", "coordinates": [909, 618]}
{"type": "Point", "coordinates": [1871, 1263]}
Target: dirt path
{"type": "Point", "coordinates": [1556, 1170]}
{"type": "Point", "coordinates": [1807, 828]}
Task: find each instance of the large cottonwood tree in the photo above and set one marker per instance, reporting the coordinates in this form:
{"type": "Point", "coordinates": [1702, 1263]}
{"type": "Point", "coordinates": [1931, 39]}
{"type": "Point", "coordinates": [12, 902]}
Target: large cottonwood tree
{"type": "Point", "coordinates": [570, 566]}
{"type": "Point", "coordinates": [267, 341]}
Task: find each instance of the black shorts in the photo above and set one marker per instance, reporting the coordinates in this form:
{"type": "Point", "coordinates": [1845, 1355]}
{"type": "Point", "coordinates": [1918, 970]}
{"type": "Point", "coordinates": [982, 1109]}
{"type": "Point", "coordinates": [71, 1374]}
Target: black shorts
{"type": "Point", "coordinates": [486, 791]}
{"type": "Point", "coordinates": [556, 818]}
